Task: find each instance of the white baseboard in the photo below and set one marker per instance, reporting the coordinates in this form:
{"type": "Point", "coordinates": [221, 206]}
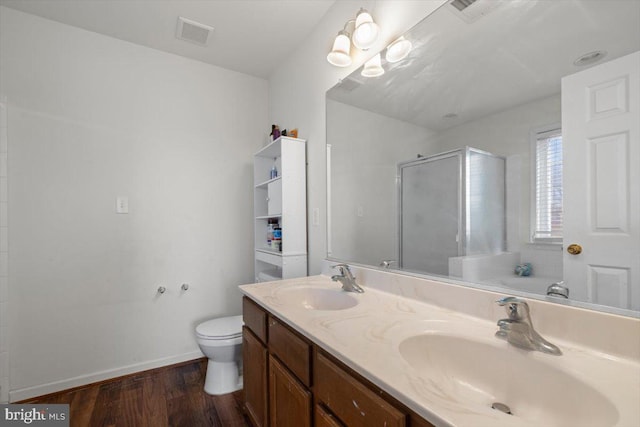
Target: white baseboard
{"type": "Point", "coordinates": [53, 387]}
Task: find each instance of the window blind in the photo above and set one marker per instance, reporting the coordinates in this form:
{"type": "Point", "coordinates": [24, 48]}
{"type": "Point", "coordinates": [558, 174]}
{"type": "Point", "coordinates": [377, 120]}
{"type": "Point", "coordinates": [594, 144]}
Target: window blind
{"type": "Point", "coordinates": [548, 186]}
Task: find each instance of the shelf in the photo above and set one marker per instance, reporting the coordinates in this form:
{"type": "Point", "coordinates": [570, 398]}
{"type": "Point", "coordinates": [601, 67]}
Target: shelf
{"type": "Point", "coordinates": [266, 183]}
{"type": "Point", "coordinates": [271, 205]}
{"type": "Point", "coordinates": [270, 275]}
{"type": "Point", "coordinates": [269, 251]}
{"type": "Point", "coordinates": [273, 149]}
{"type": "Point", "coordinates": [279, 216]}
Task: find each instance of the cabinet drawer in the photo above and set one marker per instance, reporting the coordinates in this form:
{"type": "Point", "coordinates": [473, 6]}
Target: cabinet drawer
{"type": "Point", "coordinates": [291, 349]}
{"type": "Point", "coordinates": [322, 418]}
{"type": "Point", "coordinates": [352, 402]}
{"type": "Point", "coordinates": [255, 318]}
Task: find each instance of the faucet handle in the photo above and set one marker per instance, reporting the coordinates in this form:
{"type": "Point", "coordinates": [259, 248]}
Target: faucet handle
{"type": "Point", "coordinates": [517, 308]}
{"type": "Point", "coordinates": [386, 263]}
{"type": "Point", "coordinates": [510, 300]}
{"type": "Point", "coordinates": [344, 268]}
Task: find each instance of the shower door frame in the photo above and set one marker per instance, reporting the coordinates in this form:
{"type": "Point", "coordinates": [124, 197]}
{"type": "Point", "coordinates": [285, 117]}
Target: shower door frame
{"type": "Point", "coordinates": [461, 196]}
{"type": "Point", "coordinates": [464, 226]}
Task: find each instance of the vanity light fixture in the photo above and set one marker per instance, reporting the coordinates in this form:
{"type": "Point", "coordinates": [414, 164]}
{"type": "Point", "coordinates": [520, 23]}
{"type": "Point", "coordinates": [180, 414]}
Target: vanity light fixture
{"type": "Point", "coordinates": [365, 34]}
{"type": "Point", "coordinates": [398, 50]}
{"type": "Point", "coordinates": [373, 67]}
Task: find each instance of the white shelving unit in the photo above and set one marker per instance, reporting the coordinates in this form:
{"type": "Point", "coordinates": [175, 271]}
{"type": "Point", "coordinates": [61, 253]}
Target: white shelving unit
{"type": "Point", "coordinates": [284, 199]}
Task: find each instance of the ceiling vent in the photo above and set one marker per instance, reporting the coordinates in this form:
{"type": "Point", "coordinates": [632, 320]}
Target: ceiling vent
{"type": "Point", "coordinates": [472, 10]}
{"type": "Point", "coordinates": [348, 84]}
{"type": "Point", "coordinates": [193, 32]}
{"type": "Point", "coordinates": [462, 4]}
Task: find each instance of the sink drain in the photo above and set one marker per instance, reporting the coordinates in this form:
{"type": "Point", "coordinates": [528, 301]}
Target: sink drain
{"type": "Point", "coordinates": [501, 407]}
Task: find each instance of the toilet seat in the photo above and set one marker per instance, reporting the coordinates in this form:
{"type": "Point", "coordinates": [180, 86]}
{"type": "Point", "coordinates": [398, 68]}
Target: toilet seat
{"type": "Point", "coordinates": [223, 328]}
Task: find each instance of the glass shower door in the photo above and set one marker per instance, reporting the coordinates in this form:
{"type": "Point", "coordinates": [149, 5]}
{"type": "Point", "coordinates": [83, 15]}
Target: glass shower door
{"type": "Point", "coordinates": [429, 211]}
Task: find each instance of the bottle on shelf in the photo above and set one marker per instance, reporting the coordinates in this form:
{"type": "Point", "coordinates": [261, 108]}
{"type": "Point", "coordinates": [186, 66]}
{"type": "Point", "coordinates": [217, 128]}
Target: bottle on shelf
{"type": "Point", "coordinates": [274, 171]}
{"type": "Point", "coordinates": [276, 242]}
{"type": "Point", "coordinates": [272, 223]}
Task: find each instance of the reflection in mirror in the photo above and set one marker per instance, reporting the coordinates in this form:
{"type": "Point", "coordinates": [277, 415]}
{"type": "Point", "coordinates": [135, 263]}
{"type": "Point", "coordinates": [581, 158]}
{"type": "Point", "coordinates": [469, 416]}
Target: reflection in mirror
{"type": "Point", "coordinates": [470, 160]}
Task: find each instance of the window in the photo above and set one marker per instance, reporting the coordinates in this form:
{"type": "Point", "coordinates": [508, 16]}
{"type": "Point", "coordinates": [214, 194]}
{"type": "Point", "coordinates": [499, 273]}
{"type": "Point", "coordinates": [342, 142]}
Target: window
{"type": "Point", "coordinates": [547, 224]}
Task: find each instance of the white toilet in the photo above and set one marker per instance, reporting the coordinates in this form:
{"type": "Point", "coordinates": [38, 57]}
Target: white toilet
{"type": "Point", "coordinates": [221, 341]}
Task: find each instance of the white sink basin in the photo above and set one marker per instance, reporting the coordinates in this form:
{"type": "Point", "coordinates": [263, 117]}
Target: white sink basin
{"type": "Point", "coordinates": [480, 373]}
{"type": "Point", "coordinates": [317, 298]}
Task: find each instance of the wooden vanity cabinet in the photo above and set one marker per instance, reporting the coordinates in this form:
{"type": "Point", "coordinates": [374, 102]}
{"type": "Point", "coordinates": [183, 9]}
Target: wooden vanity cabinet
{"type": "Point", "coordinates": [291, 382]}
{"type": "Point", "coordinates": [277, 371]}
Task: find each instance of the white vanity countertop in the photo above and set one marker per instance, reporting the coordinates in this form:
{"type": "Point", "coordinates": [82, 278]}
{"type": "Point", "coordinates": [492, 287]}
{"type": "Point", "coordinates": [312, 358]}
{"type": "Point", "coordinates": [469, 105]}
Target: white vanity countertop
{"type": "Point", "coordinates": [367, 338]}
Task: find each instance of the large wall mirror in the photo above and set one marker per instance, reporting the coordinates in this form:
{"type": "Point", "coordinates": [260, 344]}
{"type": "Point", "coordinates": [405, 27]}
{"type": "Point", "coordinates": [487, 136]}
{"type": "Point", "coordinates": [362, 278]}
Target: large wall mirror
{"type": "Point", "coordinates": [502, 152]}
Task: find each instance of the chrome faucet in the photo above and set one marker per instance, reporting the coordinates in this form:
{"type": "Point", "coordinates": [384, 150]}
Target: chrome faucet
{"type": "Point", "coordinates": [558, 289]}
{"type": "Point", "coordinates": [386, 263]}
{"type": "Point", "coordinates": [518, 330]}
{"type": "Point", "coordinates": [346, 278]}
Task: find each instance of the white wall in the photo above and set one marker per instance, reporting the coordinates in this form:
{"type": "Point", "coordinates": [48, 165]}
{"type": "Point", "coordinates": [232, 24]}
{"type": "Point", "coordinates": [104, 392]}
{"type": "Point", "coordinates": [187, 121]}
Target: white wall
{"type": "Point", "coordinates": [92, 118]}
{"type": "Point", "coordinates": [297, 91]}
{"type": "Point", "coordinates": [4, 258]}
{"type": "Point", "coordinates": [508, 133]}
{"type": "Point", "coordinates": [363, 191]}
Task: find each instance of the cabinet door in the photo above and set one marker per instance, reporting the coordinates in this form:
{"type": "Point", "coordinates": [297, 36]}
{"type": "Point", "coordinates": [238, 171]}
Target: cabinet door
{"type": "Point", "coordinates": [274, 197]}
{"type": "Point", "coordinates": [254, 355]}
{"type": "Point", "coordinates": [289, 401]}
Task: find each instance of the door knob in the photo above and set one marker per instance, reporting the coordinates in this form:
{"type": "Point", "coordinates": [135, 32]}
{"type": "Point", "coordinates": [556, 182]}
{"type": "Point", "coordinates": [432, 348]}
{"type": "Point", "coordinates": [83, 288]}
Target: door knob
{"type": "Point", "coordinates": [574, 249]}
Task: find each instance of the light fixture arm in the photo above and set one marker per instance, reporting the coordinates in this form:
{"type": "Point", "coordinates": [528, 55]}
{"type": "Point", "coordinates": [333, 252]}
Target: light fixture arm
{"type": "Point", "coordinates": [349, 22]}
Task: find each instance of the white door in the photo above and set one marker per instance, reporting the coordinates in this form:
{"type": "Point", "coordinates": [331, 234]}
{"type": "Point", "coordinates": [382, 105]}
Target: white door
{"type": "Point", "coordinates": [601, 139]}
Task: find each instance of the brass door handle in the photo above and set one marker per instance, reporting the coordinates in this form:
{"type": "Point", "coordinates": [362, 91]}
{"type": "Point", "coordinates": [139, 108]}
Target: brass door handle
{"type": "Point", "coordinates": [574, 249]}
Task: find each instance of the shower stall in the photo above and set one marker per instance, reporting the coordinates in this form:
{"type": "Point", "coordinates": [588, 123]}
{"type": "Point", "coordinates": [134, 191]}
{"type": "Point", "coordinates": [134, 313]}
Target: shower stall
{"type": "Point", "coordinates": [450, 205]}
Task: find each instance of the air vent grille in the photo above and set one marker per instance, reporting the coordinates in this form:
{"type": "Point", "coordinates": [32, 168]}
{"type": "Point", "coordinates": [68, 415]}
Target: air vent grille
{"type": "Point", "coordinates": [193, 32]}
{"type": "Point", "coordinates": [349, 84]}
{"type": "Point", "coordinates": [472, 10]}
{"type": "Point", "coordinates": [462, 4]}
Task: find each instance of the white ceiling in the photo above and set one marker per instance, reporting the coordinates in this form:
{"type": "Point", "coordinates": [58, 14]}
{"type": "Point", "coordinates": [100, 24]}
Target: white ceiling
{"type": "Point", "coordinates": [251, 36]}
{"type": "Point", "coordinates": [513, 55]}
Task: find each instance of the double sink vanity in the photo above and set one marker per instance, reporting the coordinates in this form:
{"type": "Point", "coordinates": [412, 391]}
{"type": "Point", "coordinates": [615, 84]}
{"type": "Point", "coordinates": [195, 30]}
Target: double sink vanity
{"type": "Point", "coordinates": [410, 351]}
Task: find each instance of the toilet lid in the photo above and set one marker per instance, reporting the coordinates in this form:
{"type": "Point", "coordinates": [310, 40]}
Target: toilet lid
{"type": "Point", "coordinates": [221, 328]}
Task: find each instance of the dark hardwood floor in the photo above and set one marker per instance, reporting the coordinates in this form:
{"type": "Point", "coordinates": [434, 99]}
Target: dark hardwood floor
{"type": "Point", "coordinates": [171, 396]}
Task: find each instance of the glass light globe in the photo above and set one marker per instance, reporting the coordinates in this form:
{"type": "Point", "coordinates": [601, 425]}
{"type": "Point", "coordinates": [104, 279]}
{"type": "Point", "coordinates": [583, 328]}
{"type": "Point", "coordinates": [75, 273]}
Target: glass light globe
{"type": "Point", "coordinates": [339, 55]}
{"type": "Point", "coordinates": [373, 67]}
{"type": "Point", "coordinates": [398, 50]}
{"type": "Point", "coordinates": [366, 32]}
